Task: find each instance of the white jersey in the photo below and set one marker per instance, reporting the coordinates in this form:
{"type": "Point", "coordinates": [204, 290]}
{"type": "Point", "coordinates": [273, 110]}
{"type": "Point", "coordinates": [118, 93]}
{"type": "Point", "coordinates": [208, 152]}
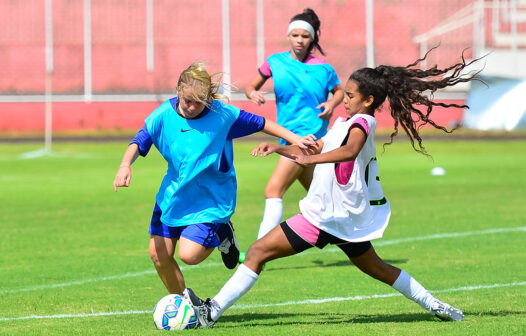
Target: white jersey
{"type": "Point", "coordinates": [358, 210]}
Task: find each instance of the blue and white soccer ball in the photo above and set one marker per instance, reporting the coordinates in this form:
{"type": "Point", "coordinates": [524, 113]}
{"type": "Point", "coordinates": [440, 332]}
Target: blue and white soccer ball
{"type": "Point", "coordinates": [174, 312]}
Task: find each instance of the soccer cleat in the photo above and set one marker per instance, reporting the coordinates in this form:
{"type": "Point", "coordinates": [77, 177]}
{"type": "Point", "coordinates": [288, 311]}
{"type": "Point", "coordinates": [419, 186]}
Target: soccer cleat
{"type": "Point", "coordinates": [229, 248]}
{"type": "Point", "coordinates": [242, 257]}
{"type": "Point", "coordinates": [446, 312]}
{"type": "Point", "coordinates": [202, 308]}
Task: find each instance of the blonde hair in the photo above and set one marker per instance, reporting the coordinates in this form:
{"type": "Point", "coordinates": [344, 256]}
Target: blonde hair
{"type": "Point", "coordinates": [205, 89]}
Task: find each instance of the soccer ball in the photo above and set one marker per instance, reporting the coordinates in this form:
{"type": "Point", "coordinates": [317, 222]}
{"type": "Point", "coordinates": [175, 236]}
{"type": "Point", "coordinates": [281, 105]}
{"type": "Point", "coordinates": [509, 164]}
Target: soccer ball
{"type": "Point", "coordinates": [174, 312]}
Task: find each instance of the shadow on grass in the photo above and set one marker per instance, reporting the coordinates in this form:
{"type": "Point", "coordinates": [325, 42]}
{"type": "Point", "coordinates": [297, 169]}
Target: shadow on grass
{"type": "Point", "coordinates": [500, 313]}
{"type": "Point", "coordinates": [271, 319]}
{"type": "Point", "coordinates": [321, 263]}
{"type": "Point", "coordinates": [275, 319]}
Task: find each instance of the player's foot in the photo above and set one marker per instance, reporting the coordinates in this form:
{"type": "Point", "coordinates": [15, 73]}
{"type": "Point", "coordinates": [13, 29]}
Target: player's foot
{"type": "Point", "coordinates": [446, 312]}
{"type": "Point", "coordinates": [229, 248]}
{"type": "Point", "coordinates": [202, 308]}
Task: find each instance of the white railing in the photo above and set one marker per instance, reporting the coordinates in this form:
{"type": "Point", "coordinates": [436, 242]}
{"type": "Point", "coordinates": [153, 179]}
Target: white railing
{"type": "Point", "coordinates": [507, 13]}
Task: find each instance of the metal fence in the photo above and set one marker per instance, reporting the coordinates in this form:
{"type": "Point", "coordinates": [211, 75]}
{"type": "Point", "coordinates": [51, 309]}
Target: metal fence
{"type": "Point", "coordinates": [133, 50]}
{"type": "Point", "coordinates": [95, 47]}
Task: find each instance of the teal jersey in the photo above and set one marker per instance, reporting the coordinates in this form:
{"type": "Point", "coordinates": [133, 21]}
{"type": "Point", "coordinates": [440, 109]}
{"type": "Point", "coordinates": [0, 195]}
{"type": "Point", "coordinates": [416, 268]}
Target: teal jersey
{"type": "Point", "coordinates": [200, 183]}
{"type": "Point", "coordinates": [300, 88]}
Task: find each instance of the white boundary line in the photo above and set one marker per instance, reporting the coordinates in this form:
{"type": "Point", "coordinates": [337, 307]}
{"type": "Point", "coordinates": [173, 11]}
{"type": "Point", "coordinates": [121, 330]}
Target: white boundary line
{"type": "Point", "coordinates": [266, 305]}
{"type": "Point", "coordinates": [111, 277]}
{"type": "Point", "coordinates": [329, 250]}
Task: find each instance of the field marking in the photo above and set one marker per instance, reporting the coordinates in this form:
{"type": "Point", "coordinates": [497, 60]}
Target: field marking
{"type": "Point", "coordinates": [266, 305]}
{"type": "Point", "coordinates": [308, 252]}
{"type": "Point", "coordinates": [375, 296]}
{"type": "Point", "coordinates": [433, 236]}
{"type": "Point", "coordinates": [106, 278]}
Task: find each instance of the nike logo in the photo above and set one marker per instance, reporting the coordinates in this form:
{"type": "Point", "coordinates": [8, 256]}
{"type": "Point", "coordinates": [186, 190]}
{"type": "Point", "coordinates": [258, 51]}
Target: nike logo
{"type": "Point", "coordinates": [186, 130]}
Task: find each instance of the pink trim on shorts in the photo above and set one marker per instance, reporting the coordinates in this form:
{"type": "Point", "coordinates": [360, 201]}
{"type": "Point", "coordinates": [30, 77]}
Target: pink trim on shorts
{"type": "Point", "coordinates": [304, 229]}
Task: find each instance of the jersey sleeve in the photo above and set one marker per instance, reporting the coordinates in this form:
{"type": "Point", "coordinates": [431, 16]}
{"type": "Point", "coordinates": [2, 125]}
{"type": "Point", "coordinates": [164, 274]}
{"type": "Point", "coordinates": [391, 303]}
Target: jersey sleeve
{"type": "Point", "coordinates": [362, 124]}
{"type": "Point", "coordinates": [264, 70]}
{"type": "Point", "coordinates": [154, 122]}
{"type": "Point", "coordinates": [143, 140]}
{"type": "Point", "coordinates": [246, 123]}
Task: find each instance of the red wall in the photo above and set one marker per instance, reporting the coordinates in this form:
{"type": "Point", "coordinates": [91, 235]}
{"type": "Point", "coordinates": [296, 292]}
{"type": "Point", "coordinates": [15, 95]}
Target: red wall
{"type": "Point", "coordinates": [29, 117]}
{"type": "Point", "coordinates": [184, 31]}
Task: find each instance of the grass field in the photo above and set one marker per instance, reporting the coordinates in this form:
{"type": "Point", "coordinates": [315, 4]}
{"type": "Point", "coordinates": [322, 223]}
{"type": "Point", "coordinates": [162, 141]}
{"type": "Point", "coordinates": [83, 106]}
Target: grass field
{"type": "Point", "coordinates": [74, 257]}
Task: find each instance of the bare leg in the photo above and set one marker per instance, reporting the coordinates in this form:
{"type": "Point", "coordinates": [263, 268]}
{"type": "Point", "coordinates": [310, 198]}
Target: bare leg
{"type": "Point", "coordinates": [192, 253]}
{"type": "Point", "coordinates": [162, 254]}
{"type": "Point", "coordinates": [371, 264]}
{"type": "Point", "coordinates": [285, 173]}
{"type": "Point", "coordinates": [305, 177]}
{"type": "Point", "coordinates": [272, 246]}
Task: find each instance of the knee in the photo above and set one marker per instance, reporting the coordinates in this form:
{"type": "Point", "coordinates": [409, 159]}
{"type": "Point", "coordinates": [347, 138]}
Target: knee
{"type": "Point", "coordinates": [256, 255]}
{"type": "Point", "coordinates": [190, 258]}
{"type": "Point", "coordinates": [275, 188]}
{"type": "Point", "coordinates": [159, 257]}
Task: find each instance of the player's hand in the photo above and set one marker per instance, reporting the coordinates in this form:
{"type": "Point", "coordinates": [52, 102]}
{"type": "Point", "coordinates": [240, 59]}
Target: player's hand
{"type": "Point", "coordinates": [304, 160]}
{"type": "Point", "coordinates": [122, 178]}
{"type": "Point", "coordinates": [258, 97]}
{"type": "Point", "coordinates": [328, 110]}
{"type": "Point", "coordinates": [263, 149]}
{"type": "Point", "coordinates": [306, 142]}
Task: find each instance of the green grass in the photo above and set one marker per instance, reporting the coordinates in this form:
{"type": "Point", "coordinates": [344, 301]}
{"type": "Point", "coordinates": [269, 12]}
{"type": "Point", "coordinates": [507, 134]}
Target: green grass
{"type": "Point", "coordinates": [70, 245]}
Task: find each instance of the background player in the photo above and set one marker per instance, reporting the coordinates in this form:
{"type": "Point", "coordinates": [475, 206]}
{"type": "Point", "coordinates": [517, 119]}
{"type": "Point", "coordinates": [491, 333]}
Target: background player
{"type": "Point", "coordinates": [302, 84]}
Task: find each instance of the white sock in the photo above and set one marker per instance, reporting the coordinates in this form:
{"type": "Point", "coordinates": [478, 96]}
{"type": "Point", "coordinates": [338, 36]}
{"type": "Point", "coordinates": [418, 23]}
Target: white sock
{"type": "Point", "coordinates": [272, 215]}
{"type": "Point", "coordinates": [240, 283]}
{"type": "Point", "coordinates": [414, 291]}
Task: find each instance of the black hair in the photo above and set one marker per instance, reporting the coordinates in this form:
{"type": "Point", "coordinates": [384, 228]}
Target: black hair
{"type": "Point", "coordinates": [404, 88]}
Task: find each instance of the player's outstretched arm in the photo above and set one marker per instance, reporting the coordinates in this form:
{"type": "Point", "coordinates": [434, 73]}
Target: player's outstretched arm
{"type": "Point", "coordinates": [266, 148]}
{"type": "Point", "coordinates": [123, 176]}
{"type": "Point", "coordinates": [273, 128]}
{"type": "Point", "coordinates": [347, 152]}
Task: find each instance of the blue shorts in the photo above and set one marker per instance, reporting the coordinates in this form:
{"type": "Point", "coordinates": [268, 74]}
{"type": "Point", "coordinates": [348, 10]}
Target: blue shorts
{"type": "Point", "coordinates": [205, 234]}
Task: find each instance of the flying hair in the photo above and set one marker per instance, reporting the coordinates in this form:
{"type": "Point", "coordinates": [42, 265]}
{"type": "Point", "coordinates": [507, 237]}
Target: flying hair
{"type": "Point", "coordinates": [205, 88]}
{"type": "Point", "coordinates": [408, 89]}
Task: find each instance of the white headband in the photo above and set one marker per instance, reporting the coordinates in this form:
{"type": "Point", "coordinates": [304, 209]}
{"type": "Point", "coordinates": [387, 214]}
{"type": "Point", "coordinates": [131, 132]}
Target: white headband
{"type": "Point", "coordinates": [301, 25]}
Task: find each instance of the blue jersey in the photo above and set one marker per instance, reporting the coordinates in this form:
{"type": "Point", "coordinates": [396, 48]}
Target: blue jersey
{"type": "Point", "coordinates": [200, 183]}
{"type": "Point", "coordinates": [299, 89]}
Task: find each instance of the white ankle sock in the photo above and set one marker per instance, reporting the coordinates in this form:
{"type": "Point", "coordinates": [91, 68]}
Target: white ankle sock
{"type": "Point", "coordinates": [412, 290]}
{"type": "Point", "coordinates": [240, 283]}
{"type": "Point", "coordinates": [272, 215]}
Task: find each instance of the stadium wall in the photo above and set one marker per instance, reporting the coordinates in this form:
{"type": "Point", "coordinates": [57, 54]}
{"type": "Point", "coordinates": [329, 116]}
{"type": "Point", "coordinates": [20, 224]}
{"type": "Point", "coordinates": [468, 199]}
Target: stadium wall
{"type": "Point", "coordinates": [184, 31]}
{"type": "Point", "coordinates": [20, 118]}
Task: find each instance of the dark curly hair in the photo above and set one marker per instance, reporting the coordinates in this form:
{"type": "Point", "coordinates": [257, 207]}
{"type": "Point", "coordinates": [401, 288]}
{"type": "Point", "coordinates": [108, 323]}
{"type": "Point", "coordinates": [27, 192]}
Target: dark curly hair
{"type": "Point", "coordinates": [310, 16]}
{"type": "Point", "coordinates": [404, 88]}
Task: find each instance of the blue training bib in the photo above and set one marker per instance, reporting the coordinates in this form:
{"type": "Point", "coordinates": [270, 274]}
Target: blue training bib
{"type": "Point", "coordinates": [200, 183]}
